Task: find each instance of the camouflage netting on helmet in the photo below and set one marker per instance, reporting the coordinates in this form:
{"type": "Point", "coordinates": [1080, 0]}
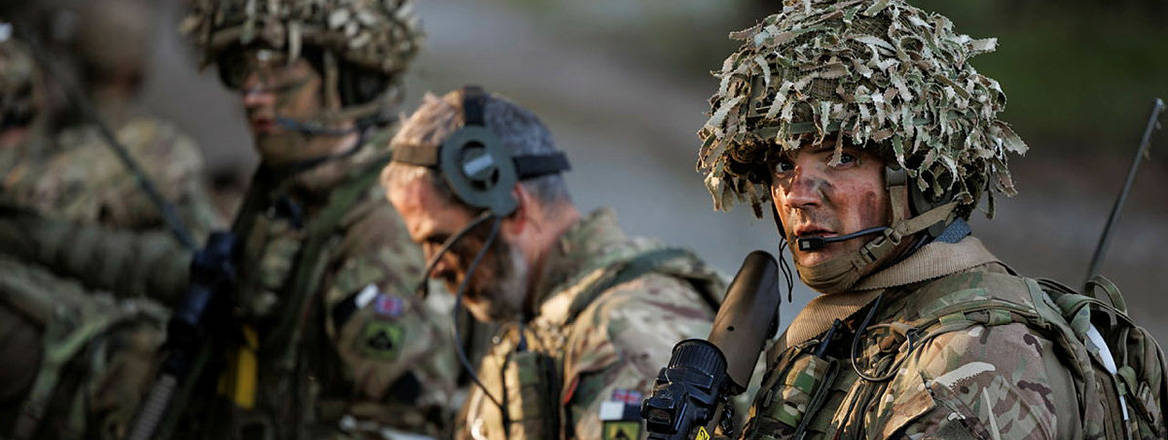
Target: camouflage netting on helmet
{"type": "Point", "coordinates": [17, 75]}
{"type": "Point", "coordinates": [883, 74]}
{"type": "Point", "coordinates": [375, 34]}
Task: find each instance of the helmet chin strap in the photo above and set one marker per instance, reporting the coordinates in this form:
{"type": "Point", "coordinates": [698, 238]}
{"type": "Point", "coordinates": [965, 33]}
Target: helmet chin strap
{"type": "Point", "coordinates": [313, 128]}
{"type": "Point", "coordinates": [299, 139]}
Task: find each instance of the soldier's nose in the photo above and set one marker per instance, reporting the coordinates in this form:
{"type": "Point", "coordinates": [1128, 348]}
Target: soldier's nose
{"type": "Point", "coordinates": [256, 97]}
{"type": "Point", "coordinates": [804, 191]}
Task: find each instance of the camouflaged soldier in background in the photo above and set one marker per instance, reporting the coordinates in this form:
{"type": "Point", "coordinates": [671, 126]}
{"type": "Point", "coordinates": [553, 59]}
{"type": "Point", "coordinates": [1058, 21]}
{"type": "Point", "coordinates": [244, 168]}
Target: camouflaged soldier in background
{"type": "Point", "coordinates": [336, 344]}
{"type": "Point", "coordinates": [587, 313]}
{"type": "Point", "coordinates": [63, 170]}
{"type": "Point", "coordinates": [71, 354]}
{"type": "Point", "coordinates": [67, 171]}
{"type": "Point", "coordinates": [849, 115]}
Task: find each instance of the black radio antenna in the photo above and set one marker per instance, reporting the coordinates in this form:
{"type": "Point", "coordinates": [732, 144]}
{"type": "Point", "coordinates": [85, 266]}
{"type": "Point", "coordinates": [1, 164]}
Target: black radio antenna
{"type": "Point", "coordinates": [1141, 152]}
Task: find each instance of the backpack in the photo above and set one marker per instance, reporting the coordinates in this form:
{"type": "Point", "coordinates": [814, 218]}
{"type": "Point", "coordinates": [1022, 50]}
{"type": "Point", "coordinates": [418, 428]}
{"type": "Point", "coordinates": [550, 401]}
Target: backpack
{"type": "Point", "coordinates": [1117, 366]}
{"type": "Point", "coordinates": [1126, 363]}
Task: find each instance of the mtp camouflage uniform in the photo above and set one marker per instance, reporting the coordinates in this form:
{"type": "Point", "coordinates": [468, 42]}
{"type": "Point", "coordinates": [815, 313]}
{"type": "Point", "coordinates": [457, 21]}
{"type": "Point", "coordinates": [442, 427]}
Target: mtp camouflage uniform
{"type": "Point", "coordinates": [609, 309]}
{"type": "Point", "coordinates": [921, 333]}
{"type": "Point", "coordinates": [72, 353]}
{"type": "Point", "coordinates": [333, 342]}
{"type": "Point", "coordinates": [340, 342]}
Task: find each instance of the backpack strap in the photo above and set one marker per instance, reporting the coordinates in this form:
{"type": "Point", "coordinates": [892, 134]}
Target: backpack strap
{"type": "Point", "coordinates": [310, 264]}
{"type": "Point", "coordinates": [633, 267]}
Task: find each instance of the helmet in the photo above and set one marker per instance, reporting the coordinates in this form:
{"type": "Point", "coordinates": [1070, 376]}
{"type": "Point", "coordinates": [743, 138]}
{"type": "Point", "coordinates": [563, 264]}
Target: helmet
{"type": "Point", "coordinates": [880, 74]}
{"type": "Point", "coordinates": [367, 36]}
{"type": "Point", "coordinates": [17, 77]}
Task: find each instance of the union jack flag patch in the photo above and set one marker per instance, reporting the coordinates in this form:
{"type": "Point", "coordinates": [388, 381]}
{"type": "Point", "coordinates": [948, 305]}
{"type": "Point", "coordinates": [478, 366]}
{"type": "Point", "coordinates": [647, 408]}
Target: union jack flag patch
{"type": "Point", "coordinates": [388, 306]}
{"type": "Point", "coordinates": [627, 396]}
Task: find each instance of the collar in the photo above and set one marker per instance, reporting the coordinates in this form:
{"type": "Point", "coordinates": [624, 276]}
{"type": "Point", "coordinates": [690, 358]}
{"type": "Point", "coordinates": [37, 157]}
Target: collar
{"type": "Point", "coordinates": [313, 185]}
{"type": "Point", "coordinates": [934, 260]}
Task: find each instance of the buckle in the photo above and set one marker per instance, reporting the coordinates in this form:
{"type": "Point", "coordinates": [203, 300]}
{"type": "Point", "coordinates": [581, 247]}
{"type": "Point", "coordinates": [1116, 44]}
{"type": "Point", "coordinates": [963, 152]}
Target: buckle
{"type": "Point", "coordinates": [895, 177]}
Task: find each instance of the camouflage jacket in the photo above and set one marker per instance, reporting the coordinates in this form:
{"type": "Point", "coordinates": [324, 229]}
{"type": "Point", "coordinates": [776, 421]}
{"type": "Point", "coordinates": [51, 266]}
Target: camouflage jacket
{"type": "Point", "coordinates": [98, 226]}
{"type": "Point", "coordinates": [341, 345]}
{"type": "Point", "coordinates": [94, 355]}
{"type": "Point", "coordinates": [973, 377]}
{"type": "Point", "coordinates": [601, 331]}
{"type": "Point", "coordinates": [75, 176]}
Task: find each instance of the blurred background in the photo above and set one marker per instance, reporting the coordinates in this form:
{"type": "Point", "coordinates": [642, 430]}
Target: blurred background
{"type": "Point", "coordinates": [623, 86]}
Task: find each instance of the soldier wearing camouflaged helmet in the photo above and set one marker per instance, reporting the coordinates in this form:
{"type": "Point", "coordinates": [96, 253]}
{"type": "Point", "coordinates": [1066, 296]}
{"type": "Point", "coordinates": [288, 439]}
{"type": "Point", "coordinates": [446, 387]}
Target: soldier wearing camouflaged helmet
{"type": "Point", "coordinates": [342, 346]}
{"type": "Point", "coordinates": [864, 125]}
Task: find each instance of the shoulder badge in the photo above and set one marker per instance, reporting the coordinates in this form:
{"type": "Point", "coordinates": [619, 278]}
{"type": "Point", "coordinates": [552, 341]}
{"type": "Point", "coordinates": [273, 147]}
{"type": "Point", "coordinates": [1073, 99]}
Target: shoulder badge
{"type": "Point", "coordinates": [381, 339]}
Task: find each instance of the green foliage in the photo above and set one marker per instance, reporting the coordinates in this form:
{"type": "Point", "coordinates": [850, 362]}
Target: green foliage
{"type": "Point", "coordinates": [1081, 75]}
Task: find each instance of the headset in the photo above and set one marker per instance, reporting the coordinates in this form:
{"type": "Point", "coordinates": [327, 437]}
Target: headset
{"type": "Point", "coordinates": [475, 164]}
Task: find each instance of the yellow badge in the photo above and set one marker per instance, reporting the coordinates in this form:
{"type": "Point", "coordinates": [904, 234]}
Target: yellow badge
{"type": "Point", "coordinates": [622, 430]}
{"type": "Point", "coordinates": [702, 434]}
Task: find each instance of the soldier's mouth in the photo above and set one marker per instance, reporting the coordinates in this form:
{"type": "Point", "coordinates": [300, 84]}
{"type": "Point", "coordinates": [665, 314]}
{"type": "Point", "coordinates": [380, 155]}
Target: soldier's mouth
{"type": "Point", "coordinates": [813, 231]}
{"type": "Point", "coordinates": [262, 125]}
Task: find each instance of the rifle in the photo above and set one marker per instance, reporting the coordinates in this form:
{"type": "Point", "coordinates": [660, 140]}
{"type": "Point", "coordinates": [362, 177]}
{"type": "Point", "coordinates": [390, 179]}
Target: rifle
{"type": "Point", "coordinates": [1141, 152]}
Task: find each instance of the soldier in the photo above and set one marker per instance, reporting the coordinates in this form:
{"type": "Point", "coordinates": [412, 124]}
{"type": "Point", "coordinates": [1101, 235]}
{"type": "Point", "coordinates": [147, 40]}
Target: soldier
{"type": "Point", "coordinates": [333, 341]}
{"type": "Point", "coordinates": [67, 172]}
{"type": "Point", "coordinates": [865, 119]}
{"type": "Point", "coordinates": [588, 313]}
{"type": "Point", "coordinates": [69, 353]}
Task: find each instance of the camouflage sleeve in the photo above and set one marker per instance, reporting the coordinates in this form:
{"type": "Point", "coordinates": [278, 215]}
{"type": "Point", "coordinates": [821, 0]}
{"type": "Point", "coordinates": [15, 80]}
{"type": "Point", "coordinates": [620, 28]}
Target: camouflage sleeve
{"type": "Point", "coordinates": [1001, 382]}
{"type": "Point", "coordinates": [619, 344]}
{"type": "Point", "coordinates": [87, 183]}
{"type": "Point", "coordinates": [127, 263]}
{"type": "Point", "coordinates": [394, 347]}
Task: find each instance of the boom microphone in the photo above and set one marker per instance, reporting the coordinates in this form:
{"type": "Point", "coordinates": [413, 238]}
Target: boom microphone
{"type": "Point", "coordinates": [817, 243]}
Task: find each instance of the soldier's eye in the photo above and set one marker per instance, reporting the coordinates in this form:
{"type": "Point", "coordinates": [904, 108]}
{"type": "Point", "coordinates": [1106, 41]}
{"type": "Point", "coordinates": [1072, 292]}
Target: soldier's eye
{"type": "Point", "coordinates": [784, 166]}
{"type": "Point", "coordinates": [847, 160]}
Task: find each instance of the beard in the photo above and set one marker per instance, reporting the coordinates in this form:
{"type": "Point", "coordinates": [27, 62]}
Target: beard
{"type": "Point", "coordinates": [498, 290]}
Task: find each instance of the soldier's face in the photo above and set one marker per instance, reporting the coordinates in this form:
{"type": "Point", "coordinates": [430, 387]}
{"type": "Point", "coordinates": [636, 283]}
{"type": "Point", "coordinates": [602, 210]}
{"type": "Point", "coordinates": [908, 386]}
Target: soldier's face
{"type": "Point", "coordinates": [815, 197]}
{"type": "Point", "coordinates": [498, 286]}
{"type": "Point", "coordinates": [272, 88]}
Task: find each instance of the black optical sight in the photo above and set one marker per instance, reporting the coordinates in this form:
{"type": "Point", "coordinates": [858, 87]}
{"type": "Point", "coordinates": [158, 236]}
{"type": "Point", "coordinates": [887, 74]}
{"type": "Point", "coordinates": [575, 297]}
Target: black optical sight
{"type": "Point", "coordinates": [691, 395]}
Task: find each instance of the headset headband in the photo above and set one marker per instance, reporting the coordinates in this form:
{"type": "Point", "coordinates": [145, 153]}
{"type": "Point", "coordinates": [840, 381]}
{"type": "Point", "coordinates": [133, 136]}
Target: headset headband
{"type": "Point", "coordinates": [479, 169]}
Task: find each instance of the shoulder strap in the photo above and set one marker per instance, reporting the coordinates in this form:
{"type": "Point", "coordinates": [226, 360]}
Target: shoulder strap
{"type": "Point", "coordinates": [309, 266]}
{"type": "Point", "coordinates": [631, 268]}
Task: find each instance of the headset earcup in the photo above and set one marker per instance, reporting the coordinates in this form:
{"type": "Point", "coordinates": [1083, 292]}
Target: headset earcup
{"type": "Point", "coordinates": [479, 170]}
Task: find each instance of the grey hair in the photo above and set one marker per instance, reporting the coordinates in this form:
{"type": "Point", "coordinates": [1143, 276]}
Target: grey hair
{"type": "Point", "coordinates": [520, 131]}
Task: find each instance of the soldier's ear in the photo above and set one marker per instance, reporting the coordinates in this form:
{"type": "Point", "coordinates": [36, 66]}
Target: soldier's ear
{"type": "Point", "coordinates": [520, 221]}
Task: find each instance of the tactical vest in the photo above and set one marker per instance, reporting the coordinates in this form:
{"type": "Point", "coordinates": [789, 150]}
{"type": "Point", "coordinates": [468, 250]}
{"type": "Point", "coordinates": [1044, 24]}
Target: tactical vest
{"type": "Point", "coordinates": [526, 367]}
{"type": "Point", "coordinates": [810, 392]}
{"type": "Point", "coordinates": [269, 384]}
